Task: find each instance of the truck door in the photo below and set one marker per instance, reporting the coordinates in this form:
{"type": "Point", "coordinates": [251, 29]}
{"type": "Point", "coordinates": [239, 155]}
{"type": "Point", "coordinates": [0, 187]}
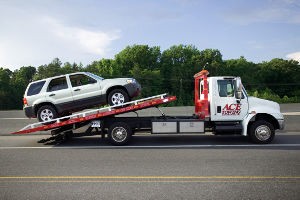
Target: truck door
{"type": "Point", "coordinates": [225, 105]}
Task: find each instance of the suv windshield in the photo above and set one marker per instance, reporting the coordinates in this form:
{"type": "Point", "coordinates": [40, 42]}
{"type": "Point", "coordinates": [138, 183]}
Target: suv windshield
{"type": "Point", "coordinates": [95, 76]}
{"type": "Point", "coordinates": [35, 88]}
{"type": "Point", "coordinates": [81, 79]}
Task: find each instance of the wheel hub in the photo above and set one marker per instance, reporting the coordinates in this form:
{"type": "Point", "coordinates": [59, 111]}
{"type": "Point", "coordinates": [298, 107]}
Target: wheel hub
{"type": "Point", "coordinates": [117, 98]}
{"type": "Point", "coordinates": [119, 134]}
{"type": "Point", "coordinates": [263, 133]}
{"type": "Point", "coordinates": [46, 115]}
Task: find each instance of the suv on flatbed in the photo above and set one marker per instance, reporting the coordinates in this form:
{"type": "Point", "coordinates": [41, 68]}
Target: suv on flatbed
{"type": "Point", "coordinates": [58, 96]}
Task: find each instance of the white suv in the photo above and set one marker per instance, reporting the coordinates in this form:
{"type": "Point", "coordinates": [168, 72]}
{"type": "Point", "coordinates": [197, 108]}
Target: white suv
{"type": "Point", "coordinates": [59, 96]}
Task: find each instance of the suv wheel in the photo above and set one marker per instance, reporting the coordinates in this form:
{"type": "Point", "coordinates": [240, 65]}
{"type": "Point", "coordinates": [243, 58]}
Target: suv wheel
{"type": "Point", "coordinates": [46, 113]}
{"type": "Point", "coordinates": [117, 97]}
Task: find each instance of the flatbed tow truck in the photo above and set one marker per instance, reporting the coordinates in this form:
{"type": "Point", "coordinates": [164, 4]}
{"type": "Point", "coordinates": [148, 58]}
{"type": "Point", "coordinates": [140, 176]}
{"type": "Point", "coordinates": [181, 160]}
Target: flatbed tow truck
{"type": "Point", "coordinates": [222, 106]}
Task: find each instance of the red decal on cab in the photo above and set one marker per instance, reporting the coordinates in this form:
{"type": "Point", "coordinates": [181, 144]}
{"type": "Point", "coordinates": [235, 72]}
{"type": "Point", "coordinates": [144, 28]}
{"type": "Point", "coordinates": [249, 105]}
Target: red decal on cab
{"type": "Point", "coordinates": [231, 109]}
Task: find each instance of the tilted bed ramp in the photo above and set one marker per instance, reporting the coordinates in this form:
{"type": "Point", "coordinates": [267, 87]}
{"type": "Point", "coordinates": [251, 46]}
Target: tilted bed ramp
{"type": "Point", "coordinates": [98, 113]}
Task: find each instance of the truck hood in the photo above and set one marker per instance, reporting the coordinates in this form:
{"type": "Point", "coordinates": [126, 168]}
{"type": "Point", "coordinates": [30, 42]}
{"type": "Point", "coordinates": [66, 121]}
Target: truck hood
{"type": "Point", "coordinates": [263, 106]}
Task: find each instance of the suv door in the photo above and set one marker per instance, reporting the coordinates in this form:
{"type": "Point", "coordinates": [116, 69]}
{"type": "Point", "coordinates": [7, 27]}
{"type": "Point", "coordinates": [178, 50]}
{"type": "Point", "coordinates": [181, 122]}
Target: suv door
{"type": "Point", "coordinates": [59, 93]}
{"type": "Point", "coordinates": [86, 91]}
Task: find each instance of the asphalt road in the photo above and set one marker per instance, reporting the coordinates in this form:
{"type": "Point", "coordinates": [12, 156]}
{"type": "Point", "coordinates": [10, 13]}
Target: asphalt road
{"type": "Point", "coordinates": [150, 167]}
{"type": "Point", "coordinates": [81, 170]}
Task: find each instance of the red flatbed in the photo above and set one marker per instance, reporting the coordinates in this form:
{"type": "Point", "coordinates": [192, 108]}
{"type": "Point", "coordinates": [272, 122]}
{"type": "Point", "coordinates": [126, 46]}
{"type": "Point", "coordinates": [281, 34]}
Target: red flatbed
{"type": "Point", "coordinates": [100, 113]}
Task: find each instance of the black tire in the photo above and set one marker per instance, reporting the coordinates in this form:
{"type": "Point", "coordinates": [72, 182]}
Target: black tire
{"type": "Point", "coordinates": [261, 132]}
{"type": "Point", "coordinates": [117, 97]}
{"type": "Point", "coordinates": [46, 113]}
{"type": "Point", "coordinates": [119, 133]}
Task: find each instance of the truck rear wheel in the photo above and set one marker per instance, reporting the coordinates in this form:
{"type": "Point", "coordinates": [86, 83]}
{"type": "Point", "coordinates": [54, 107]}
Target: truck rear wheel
{"type": "Point", "coordinates": [119, 133]}
{"type": "Point", "coordinates": [261, 132]}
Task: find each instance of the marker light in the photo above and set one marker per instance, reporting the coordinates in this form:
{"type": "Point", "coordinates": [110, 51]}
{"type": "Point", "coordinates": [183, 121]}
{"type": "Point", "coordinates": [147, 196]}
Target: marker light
{"type": "Point", "coordinates": [25, 101]}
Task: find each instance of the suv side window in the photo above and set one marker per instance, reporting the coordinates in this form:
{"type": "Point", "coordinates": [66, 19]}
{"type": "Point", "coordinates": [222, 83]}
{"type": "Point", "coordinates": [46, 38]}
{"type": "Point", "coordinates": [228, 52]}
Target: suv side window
{"type": "Point", "coordinates": [57, 84]}
{"type": "Point", "coordinates": [226, 88]}
{"type": "Point", "coordinates": [35, 88]}
{"type": "Point", "coordinates": [81, 79]}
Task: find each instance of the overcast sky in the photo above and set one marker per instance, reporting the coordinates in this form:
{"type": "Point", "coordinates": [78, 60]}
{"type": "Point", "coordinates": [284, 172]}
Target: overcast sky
{"type": "Point", "coordinates": [33, 32]}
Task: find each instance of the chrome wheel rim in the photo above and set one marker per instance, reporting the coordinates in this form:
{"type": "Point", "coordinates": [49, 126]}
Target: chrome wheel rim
{"type": "Point", "coordinates": [117, 98]}
{"type": "Point", "coordinates": [263, 133]}
{"type": "Point", "coordinates": [119, 134]}
{"type": "Point", "coordinates": [46, 115]}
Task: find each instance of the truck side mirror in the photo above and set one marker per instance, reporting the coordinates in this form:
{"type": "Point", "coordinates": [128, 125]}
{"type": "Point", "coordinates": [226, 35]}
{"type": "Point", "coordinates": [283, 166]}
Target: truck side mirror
{"type": "Point", "coordinates": [239, 95]}
{"type": "Point", "coordinates": [239, 89]}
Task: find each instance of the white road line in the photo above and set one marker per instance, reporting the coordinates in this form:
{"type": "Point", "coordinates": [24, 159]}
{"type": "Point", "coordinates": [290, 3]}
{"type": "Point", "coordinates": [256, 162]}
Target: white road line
{"type": "Point", "coordinates": [291, 113]}
{"type": "Point", "coordinates": [144, 147]}
{"type": "Point", "coordinates": [14, 118]}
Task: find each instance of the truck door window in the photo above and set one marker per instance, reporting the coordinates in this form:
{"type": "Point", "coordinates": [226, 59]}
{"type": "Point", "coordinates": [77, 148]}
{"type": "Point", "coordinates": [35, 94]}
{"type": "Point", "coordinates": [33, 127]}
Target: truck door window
{"type": "Point", "coordinates": [57, 84]}
{"type": "Point", "coordinates": [81, 79]}
{"type": "Point", "coordinates": [201, 89]}
{"type": "Point", "coordinates": [226, 88]}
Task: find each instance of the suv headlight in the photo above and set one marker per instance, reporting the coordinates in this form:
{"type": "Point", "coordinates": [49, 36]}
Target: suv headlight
{"type": "Point", "coordinates": [132, 80]}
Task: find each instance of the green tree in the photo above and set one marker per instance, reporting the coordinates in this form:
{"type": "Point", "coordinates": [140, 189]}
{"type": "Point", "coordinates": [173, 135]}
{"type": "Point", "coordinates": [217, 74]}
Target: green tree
{"type": "Point", "coordinates": [137, 56]}
{"type": "Point", "coordinates": [212, 60]}
{"type": "Point", "coordinates": [68, 68]}
{"type": "Point", "coordinates": [281, 76]}
{"type": "Point", "coordinates": [178, 66]}
{"type": "Point", "coordinates": [5, 92]}
{"type": "Point", "coordinates": [142, 63]}
{"type": "Point", "coordinates": [19, 81]}
{"type": "Point", "coordinates": [169, 71]}
{"type": "Point", "coordinates": [248, 71]}
{"type": "Point", "coordinates": [104, 68]}
{"type": "Point", "coordinates": [52, 69]}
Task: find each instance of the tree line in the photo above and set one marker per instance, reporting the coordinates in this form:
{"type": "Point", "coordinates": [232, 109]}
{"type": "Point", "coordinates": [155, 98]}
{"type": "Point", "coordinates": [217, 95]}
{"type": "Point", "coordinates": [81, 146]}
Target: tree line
{"type": "Point", "coordinates": [168, 71]}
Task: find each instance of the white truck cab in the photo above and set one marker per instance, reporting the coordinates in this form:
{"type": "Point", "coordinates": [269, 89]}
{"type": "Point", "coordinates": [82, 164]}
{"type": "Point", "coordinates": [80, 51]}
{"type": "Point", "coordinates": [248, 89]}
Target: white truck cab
{"type": "Point", "coordinates": [231, 109]}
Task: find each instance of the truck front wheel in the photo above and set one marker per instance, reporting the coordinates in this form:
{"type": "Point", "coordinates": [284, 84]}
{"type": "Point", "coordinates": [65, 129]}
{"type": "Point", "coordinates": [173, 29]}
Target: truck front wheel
{"type": "Point", "coordinates": [261, 132]}
{"type": "Point", "coordinates": [119, 133]}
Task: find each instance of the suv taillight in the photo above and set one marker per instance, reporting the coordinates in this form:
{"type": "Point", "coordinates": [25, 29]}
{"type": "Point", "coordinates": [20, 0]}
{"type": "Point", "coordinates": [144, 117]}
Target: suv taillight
{"type": "Point", "coordinates": [25, 101]}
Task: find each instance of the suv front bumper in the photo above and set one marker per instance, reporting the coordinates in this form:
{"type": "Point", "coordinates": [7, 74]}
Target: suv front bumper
{"type": "Point", "coordinates": [133, 89]}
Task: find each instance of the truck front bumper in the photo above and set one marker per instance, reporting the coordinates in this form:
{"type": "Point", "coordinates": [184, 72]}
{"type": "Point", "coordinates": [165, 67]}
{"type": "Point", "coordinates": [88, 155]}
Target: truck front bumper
{"type": "Point", "coordinates": [281, 124]}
